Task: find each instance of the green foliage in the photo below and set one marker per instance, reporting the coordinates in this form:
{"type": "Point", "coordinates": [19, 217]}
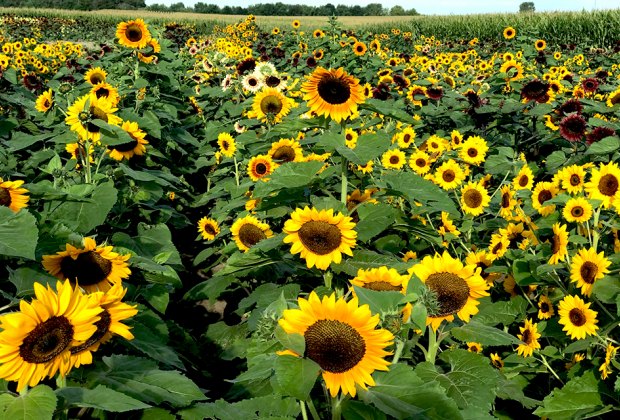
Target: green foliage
{"type": "Point", "coordinates": [579, 397]}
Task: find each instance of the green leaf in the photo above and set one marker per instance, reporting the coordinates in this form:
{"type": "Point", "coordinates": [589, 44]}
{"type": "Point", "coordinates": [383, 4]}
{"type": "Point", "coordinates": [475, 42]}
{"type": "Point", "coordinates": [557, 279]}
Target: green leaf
{"type": "Point", "coordinates": [357, 410]}
{"type": "Point", "coordinates": [295, 342]}
{"type": "Point", "coordinates": [606, 289]}
{"type": "Point", "coordinates": [555, 161]}
{"type": "Point", "coordinates": [289, 175]}
{"type": "Point", "coordinates": [101, 397]}
{"type": "Point", "coordinates": [417, 189]}
{"type": "Point", "coordinates": [157, 295]}
{"type": "Point", "coordinates": [18, 233]}
{"type": "Point", "coordinates": [604, 146]}
{"type": "Point", "coordinates": [271, 406]}
{"type": "Point", "coordinates": [576, 399]}
{"type": "Point", "coordinates": [296, 376]}
{"type": "Point", "coordinates": [24, 279]}
{"type": "Point", "coordinates": [38, 403]}
{"type": "Point", "coordinates": [209, 289]}
{"type": "Point", "coordinates": [378, 301]}
{"type": "Point", "coordinates": [368, 147]}
{"type": "Point", "coordinates": [374, 219]}
{"type": "Point", "coordinates": [151, 337]}
{"type": "Point", "coordinates": [502, 312]}
{"type": "Point", "coordinates": [483, 334]}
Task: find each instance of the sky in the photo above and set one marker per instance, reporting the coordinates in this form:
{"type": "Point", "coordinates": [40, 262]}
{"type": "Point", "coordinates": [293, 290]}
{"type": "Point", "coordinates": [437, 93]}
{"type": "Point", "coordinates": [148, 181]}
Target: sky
{"type": "Point", "coordinates": [433, 7]}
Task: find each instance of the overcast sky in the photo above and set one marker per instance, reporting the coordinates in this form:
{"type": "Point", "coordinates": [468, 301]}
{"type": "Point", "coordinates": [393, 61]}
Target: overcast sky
{"type": "Point", "coordinates": [442, 7]}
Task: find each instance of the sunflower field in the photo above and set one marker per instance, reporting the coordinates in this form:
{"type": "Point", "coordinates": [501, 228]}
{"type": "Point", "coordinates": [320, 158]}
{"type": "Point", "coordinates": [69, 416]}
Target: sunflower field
{"type": "Point", "coordinates": [302, 222]}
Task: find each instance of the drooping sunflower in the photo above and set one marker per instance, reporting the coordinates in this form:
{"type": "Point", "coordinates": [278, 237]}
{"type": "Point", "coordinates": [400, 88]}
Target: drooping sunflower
{"type": "Point", "coordinates": [227, 144]}
{"type": "Point", "coordinates": [261, 166]}
{"type": "Point", "coordinates": [545, 308]}
{"type": "Point", "coordinates": [270, 106]}
{"type": "Point", "coordinates": [577, 209]}
{"type": "Point", "coordinates": [12, 195]}
{"type": "Point", "coordinates": [559, 243]}
{"type": "Point", "coordinates": [286, 150]}
{"type": "Point", "coordinates": [577, 317]}
{"type": "Point", "coordinates": [109, 324]}
{"type": "Point", "coordinates": [449, 175]}
{"type": "Point", "coordinates": [149, 56]}
{"type": "Point", "coordinates": [248, 231]}
{"type": "Point", "coordinates": [133, 34]}
{"type": "Point", "coordinates": [95, 76]}
{"type": "Point", "coordinates": [529, 336]}
{"type": "Point", "coordinates": [474, 198]}
{"type": "Point", "coordinates": [93, 267]}
{"type": "Point", "coordinates": [342, 338]}
{"type": "Point", "coordinates": [542, 192]}
{"type": "Point", "coordinates": [107, 91]}
{"type": "Point", "coordinates": [333, 93]}
{"type": "Point", "coordinates": [587, 267]}
{"type": "Point", "coordinates": [456, 287]}
{"type": "Point", "coordinates": [35, 342]}
{"type": "Point", "coordinates": [474, 150]}
{"type": "Point", "coordinates": [420, 162]}
{"type": "Point", "coordinates": [604, 184]}
{"type": "Point", "coordinates": [44, 102]}
{"type": "Point", "coordinates": [393, 159]}
{"type": "Point", "coordinates": [509, 32]}
{"type": "Point", "coordinates": [524, 179]}
{"type": "Point", "coordinates": [320, 237]}
{"type": "Point", "coordinates": [208, 228]}
{"type": "Point", "coordinates": [84, 111]}
{"type": "Point", "coordinates": [135, 147]}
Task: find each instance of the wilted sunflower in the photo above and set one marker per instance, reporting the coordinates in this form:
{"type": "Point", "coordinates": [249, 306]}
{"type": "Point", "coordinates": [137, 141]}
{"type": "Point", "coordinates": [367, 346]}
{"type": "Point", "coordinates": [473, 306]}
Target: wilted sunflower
{"type": "Point", "coordinates": [106, 91]}
{"type": "Point", "coordinates": [44, 102]}
{"type": "Point", "coordinates": [341, 337]}
{"type": "Point", "coordinates": [577, 317]}
{"type": "Point", "coordinates": [95, 76]}
{"type": "Point", "coordinates": [604, 184]}
{"type": "Point", "coordinates": [577, 209]}
{"type": "Point", "coordinates": [270, 106]}
{"type": "Point", "coordinates": [587, 267]}
{"type": "Point", "coordinates": [35, 343]}
{"type": "Point", "coordinates": [509, 32]}
{"type": "Point", "coordinates": [559, 243]}
{"type": "Point", "coordinates": [420, 162]}
{"type": "Point", "coordinates": [260, 166]}
{"type": "Point", "coordinates": [545, 308]}
{"type": "Point", "coordinates": [92, 267]}
{"type": "Point", "coordinates": [114, 311]}
{"type": "Point", "coordinates": [524, 179]}
{"type": "Point", "coordinates": [543, 192]}
{"type": "Point", "coordinates": [286, 150]}
{"type": "Point", "coordinates": [473, 150]}
{"type": "Point", "coordinates": [12, 195]}
{"type": "Point", "coordinates": [320, 237]}
{"type": "Point", "coordinates": [248, 231]}
{"type": "Point", "coordinates": [133, 34]}
{"type": "Point", "coordinates": [449, 175]}
{"type": "Point", "coordinates": [393, 159]}
{"type": "Point", "coordinates": [529, 336]}
{"type": "Point", "coordinates": [84, 111]}
{"type": "Point", "coordinates": [332, 93]}
{"type": "Point", "coordinates": [456, 287]}
{"type": "Point", "coordinates": [227, 144]}
{"type": "Point", "coordinates": [129, 149]}
{"type": "Point", "coordinates": [208, 228]}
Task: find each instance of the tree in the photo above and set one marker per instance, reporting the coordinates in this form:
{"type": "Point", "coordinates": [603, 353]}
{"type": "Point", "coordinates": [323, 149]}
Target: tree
{"type": "Point", "coordinates": [397, 11]}
{"type": "Point", "coordinates": [373, 9]}
{"type": "Point", "coordinates": [527, 6]}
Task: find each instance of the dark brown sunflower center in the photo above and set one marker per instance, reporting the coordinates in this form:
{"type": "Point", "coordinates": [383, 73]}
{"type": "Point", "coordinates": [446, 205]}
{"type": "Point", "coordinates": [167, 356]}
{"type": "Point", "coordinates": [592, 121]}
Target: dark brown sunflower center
{"type": "Point", "coordinates": [210, 229]}
{"type": "Point", "coordinates": [574, 180]}
{"type": "Point", "coordinates": [250, 234]}
{"type": "Point", "coordinates": [588, 272]}
{"type": "Point", "coordinates": [334, 91]}
{"type": "Point", "coordinates": [46, 103]}
{"type": "Point", "coordinates": [523, 180]}
{"type": "Point", "coordinates": [576, 211]}
{"type": "Point", "coordinates": [252, 82]}
{"type": "Point", "coordinates": [608, 185]}
{"type": "Point", "coordinates": [472, 152]}
{"type": "Point", "coordinates": [577, 317]}
{"type": "Point", "coordinates": [225, 145]}
{"type": "Point", "coordinates": [133, 33]}
{"type": "Point", "coordinates": [320, 237]}
{"type": "Point", "coordinates": [406, 138]}
{"type": "Point", "coordinates": [103, 326]}
{"type": "Point", "coordinates": [451, 291]}
{"type": "Point", "coordinates": [89, 268]}
{"type": "Point", "coordinates": [284, 154]}
{"type": "Point", "coordinates": [272, 81]}
{"type": "Point", "coordinates": [102, 93]}
{"type": "Point", "coordinates": [360, 48]}
{"type": "Point", "coordinates": [544, 195]}
{"type": "Point", "coordinates": [5, 197]}
{"type": "Point", "coordinates": [96, 78]}
{"type": "Point", "coordinates": [505, 200]}
{"type": "Point", "coordinates": [544, 307]}
{"type": "Point", "coordinates": [449, 175]}
{"type": "Point", "coordinates": [382, 286]}
{"type": "Point", "coordinates": [47, 340]}
{"type": "Point", "coordinates": [394, 160]}
{"type": "Point", "coordinates": [497, 248]}
{"type": "Point", "coordinates": [527, 336]}
{"type": "Point", "coordinates": [420, 162]}
{"type": "Point", "coordinates": [472, 198]}
{"type": "Point", "coordinates": [96, 113]}
{"type": "Point", "coordinates": [556, 244]}
{"type": "Point", "coordinates": [271, 105]}
{"type": "Point", "coordinates": [615, 99]}
{"type": "Point", "coordinates": [260, 169]}
{"type": "Point", "coordinates": [336, 346]}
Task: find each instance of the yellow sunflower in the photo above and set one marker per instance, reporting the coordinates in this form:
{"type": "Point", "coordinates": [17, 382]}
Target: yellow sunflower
{"type": "Point", "coordinates": [260, 166]}
{"type": "Point", "coordinates": [559, 243]}
{"type": "Point", "coordinates": [12, 195]}
{"type": "Point", "coordinates": [542, 192]}
{"type": "Point", "coordinates": [393, 159]}
{"type": "Point", "coordinates": [35, 342]}
{"type": "Point", "coordinates": [342, 338]}
{"type": "Point", "coordinates": [357, 197]}
{"type": "Point", "coordinates": [133, 34]}
{"type": "Point", "coordinates": [474, 347]}
{"type": "Point", "coordinates": [270, 106]}
{"type": "Point", "coordinates": [95, 76]}
{"type": "Point", "coordinates": [524, 179]}
{"type": "Point", "coordinates": [406, 138]}
{"type": "Point", "coordinates": [613, 98]}
{"type": "Point", "coordinates": [474, 198]}
{"type": "Point", "coordinates": [87, 109]}
{"type": "Point", "coordinates": [208, 228]}
{"type": "Point", "coordinates": [513, 70]}
{"type": "Point", "coordinates": [227, 144]}
{"type": "Point", "coordinates": [420, 162]}
{"type": "Point", "coordinates": [507, 202]}
{"type": "Point", "coordinates": [106, 91]}
{"type": "Point", "coordinates": [332, 93]}
{"type": "Point", "coordinates": [149, 56]}
{"type": "Point", "coordinates": [248, 231]}
{"type": "Point", "coordinates": [540, 45]}
{"type": "Point", "coordinates": [509, 32]}
{"type": "Point", "coordinates": [577, 209]}
{"type": "Point", "coordinates": [44, 102]}
{"type": "Point", "coordinates": [447, 226]}
{"type": "Point", "coordinates": [577, 317]}
{"type": "Point", "coordinates": [456, 287]}
{"type": "Point", "coordinates": [381, 279]}
{"type": "Point", "coordinates": [604, 184]}
{"type": "Point", "coordinates": [320, 237]}
{"type": "Point", "coordinates": [92, 267]}
{"type": "Point", "coordinates": [545, 308]}
{"type": "Point", "coordinates": [572, 178]}
{"type": "Point", "coordinates": [498, 247]}
{"type": "Point", "coordinates": [529, 336]}
{"type": "Point", "coordinates": [449, 175]}
{"type": "Point", "coordinates": [473, 150]}
{"type": "Point", "coordinates": [496, 361]}
{"type": "Point", "coordinates": [286, 150]}
{"type": "Point", "coordinates": [587, 267]}
{"type": "Point", "coordinates": [135, 147]}
{"type": "Point", "coordinates": [359, 48]}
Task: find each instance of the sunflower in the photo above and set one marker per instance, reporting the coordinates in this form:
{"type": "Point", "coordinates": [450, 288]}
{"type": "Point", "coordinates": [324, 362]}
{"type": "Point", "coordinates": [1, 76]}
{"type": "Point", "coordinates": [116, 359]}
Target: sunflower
{"type": "Point", "coordinates": [107, 91]}
{"type": "Point", "coordinates": [498, 246]}
{"type": "Point", "coordinates": [251, 82]}
{"type": "Point", "coordinates": [456, 287]}
{"type": "Point", "coordinates": [577, 317]}
{"type": "Point", "coordinates": [296, 24]}
{"type": "Point", "coordinates": [449, 175]}
{"type": "Point", "coordinates": [109, 324]}
{"type": "Point", "coordinates": [381, 279]}
{"type": "Point", "coordinates": [540, 45]}
{"type": "Point", "coordinates": [577, 209]}
{"type": "Point", "coordinates": [529, 336]}
{"type": "Point", "coordinates": [286, 150]}
{"type": "Point", "coordinates": [149, 56]}
{"type": "Point", "coordinates": [248, 231]}
{"type": "Point", "coordinates": [92, 267]}
{"type": "Point", "coordinates": [447, 226]}
{"type": "Point", "coordinates": [87, 109]}
{"type": "Point", "coordinates": [513, 69]}
{"type": "Point", "coordinates": [613, 98]}
{"type": "Point", "coordinates": [35, 343]}
{"type": "Point", "coordinates": [435, 145]}
{"type": "Point", "coordinates": [78, 152]}
{"type": "Point", "coordinates": [359, 48]}
{"type": "Point", "coordinates": [341, 337]}
{"type": "Point", "coordinates": [12, 195]}
{"type": "Point", "coordinates": [320, 237]}
{"type": "Point", "coordinates": [357, 197]}
{"type": "Point", "coordinates": [474, 198]}
{"type": "Point", "coordinates": [509, 32]}
{"type": "Point", "coordinates": [350, 138]}
{"type": "Point", "coordinates": [133, 34]}
{"type": "Point", "coordinates": [270, 106]}
{"type": "Point", "coordinates": [474, 347]}
{"type": "Point", "coordinates": [135, 147]}
{"type": "Point", "coordinates": [406, 138]}
{"type": "Point", "coordinates": [587, 267]}
{"type": "Point", "coordinates": [208, 228]}
{"type": "Point", "coordinates": [332, 93]}
{"type": "Point", "coordinates": [318, 33]}
{"type": "Point", "coordinates": [610, 354]}
{"type": "Point", "coordinates": [572, 178]}
{"type": "Point", "coordinates": [473, 150]}
{"type": "Point", "coordinates": [420, 162]}
{"type": "Point", "coordinates": [227, 144]}
{"type": "Point", "coordinates": [44, 102]}
{"type": "Point", "coordinates": [573, 127]}
{"type": "Point", "coordinates": [367, 168]}
{"type": "Point", "coordinates": [604, 184]}
{"type": "Point", "coordinates": [394, 159]}
{"type": "Point", "coordinates": [507, 202]}
{"type": "Point", "coordinates": [542, 192]}
{"type": "Point", "coordinates": [545, 308]}
{"type": "Point", "coordinates": [496, 361]}
{"type": "Point", "coordinates": [524, 179]}
{"type": "Point", "coordinates": [260, 166]}
{"type": "Point", "coordinates": [559, 243]}
{"type": "Point", "coordinates": [95, 76]}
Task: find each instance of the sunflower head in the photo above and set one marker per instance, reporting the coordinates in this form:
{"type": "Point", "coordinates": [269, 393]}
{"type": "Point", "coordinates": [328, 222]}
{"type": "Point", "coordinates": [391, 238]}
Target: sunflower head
{"type": "Point", "coordinates": [208, 228]}
{"type": "Point", "coordinates": [248, 231]}
{"type": "Point", "coordinates": [12, 195]}
{"type": "Point", "coordinates": [577, 317]}
{"type": "Point", "coordinates": [133, 34]}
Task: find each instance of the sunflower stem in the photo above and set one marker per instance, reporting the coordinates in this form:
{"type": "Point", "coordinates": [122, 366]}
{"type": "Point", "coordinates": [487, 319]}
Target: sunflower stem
{"type": "Point", "coordinates": [400, 345]}
{"type": "Point", "coordinates": [302, 406]}
{"type": "Point", "coordinates": [544, 362]}
{"type": "Point", "coordinates": [595, 233]}
{"type": "Point", "coordinates": [433, 345]}
{"type": "Point", "coordinates": [336, 408]}
{"type": "Point", "coordinates": [236, 171]}
{"type": "Point", "coordinates": [86, 162]}
{"type": "Point", "coordinates": [312, 408]}
{"type": "Point", "coordinates": [344, 182]}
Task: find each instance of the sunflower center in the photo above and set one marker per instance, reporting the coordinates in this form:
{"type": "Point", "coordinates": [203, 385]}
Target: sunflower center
{"type": "Point", "coordinates": [608, 185]}
{"type": "Point", "coordinates": [544, 195]}
{"type": "Point", "coordinates": [103, 326]}
{"type": "Point", "coordinates": [544, 307]}
{"type": "Point", "coordinates": [472, 198]}
{"type": "Point", "coordinates": [336, 346]}
{"type": "Point", "coordinates": [102, 93]}
{"type": "Point", "coordinates": [97, 114]}
{"type": "Point", "coordinates": [577, 317]}
{"type": "Point", "coordinates": [472, 152]}
{"type": "Point", "coordinates": [556, 244]}
{"type": "Point", "coordinates": [271, 105]}
{"type": "Point", "coordinates": [497, 248]}
{"type": "Point", "coordinates": [5, 197]}
{"type": "Point", "coordinates": [382, 286]}
{"type": "Point", "coordinates": [320, 237]}
{"type": "Point", "coordinates": [406, 138]}
{"type": "Point", "coordinates": [133, 33]}
{"type": "Point", "coordinates": [576, 211]}
{"type": "Point", "coordinates": [420, 162]}
{"type": "Point", "coordinates": [250, 234]}
{"type": "Point", "coordinates": [89, 268]}
{"type": "Point", "coordinates": [46, 103]}
{"type": "Point", "coordinates": [394, 160]}
{"type": "Point", "coordinates": [272, 81]}
{"type": "Point", "coordinates": [574, 180]}
{"type": "Point", "coordinates": [523, 180]}
{"type": "Point", "coordinates": [47, 340]}
{"type": "Point", "coordinates": [261, 169]}
{"type": "Point", "coordinates": [252, 82]}
{"type": "Point", "coordinates": [96, 78]}
{"type": "Point", "coordinates": [527, 336]}
{"type": "Point", "coordinates": [588, 272]}
{"type": "Point", "coordinates": [210, 230]}
{"type": "Point", "coordinates": [449, 175]}
{"type": "Point", "coordinates": [451, 290]}
{"type": "Point", "coordinates": [505, 200]}
{"type": "Point", "coordinates": [284, 154]}
{"type": "Point", "coordinates": [334, 91]}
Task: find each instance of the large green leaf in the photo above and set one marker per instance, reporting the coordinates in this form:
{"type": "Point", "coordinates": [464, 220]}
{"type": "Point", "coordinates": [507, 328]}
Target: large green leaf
{"type": "Point", "coordinates": [296, 376]}
{"type": "Point", "coordinates": [483, 334]}
{"type": "Point", "coordinates": [272, 406]}
{"type": "Point", "coordinates": [577, 398]}
{"type": "Point", "coordinates": [289, 175]}
{"type": "Point", "coordinates": [151, 337]}
{"type": "Point", "coordinates": [417, 189]}
{"type": "Point", "coordinates": [38, 403]}
{"type": "Point", "coordinates": [101, 397]}
{"type": "Point", "coordinates": [369, 147]}
{"type": "Point", "coordinates": [379, 301]}
{"type": "Point", "coordinates": [18, 233]}
{"type": "Point", "coordinates": [374, 219]}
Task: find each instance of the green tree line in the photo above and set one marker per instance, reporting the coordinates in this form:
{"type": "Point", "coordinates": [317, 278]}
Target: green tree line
{"type": "Point", "coordinates": [76, 4]}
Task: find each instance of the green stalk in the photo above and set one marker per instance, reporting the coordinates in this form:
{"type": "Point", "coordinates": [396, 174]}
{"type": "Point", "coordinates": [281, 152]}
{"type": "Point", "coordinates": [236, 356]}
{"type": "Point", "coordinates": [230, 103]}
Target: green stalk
{"type": "Point", "coordinates": [344, 182]}
{"type": "Point", "coordinates": [433, 345]}
{"type": "Point", "coordinates": [336, 408]}
{"type": "Point", "coordinates": [315, 414]}
{"type": "Point", "coordinates": [400, 345]}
